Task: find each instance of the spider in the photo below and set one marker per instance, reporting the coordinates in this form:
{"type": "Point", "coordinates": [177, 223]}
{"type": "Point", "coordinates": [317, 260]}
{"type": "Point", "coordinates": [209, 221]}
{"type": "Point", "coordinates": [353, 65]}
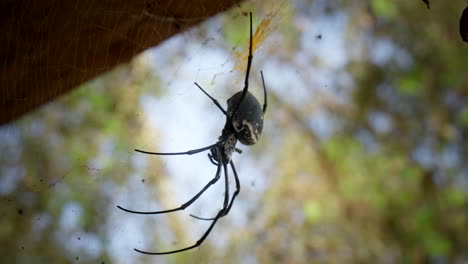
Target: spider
{"type": "Point", "coordinates": [244, 123]}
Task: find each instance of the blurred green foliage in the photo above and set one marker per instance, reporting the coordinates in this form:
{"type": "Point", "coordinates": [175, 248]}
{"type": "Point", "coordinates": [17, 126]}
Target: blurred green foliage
{"type": "Point", "coordinates": [361, 194]}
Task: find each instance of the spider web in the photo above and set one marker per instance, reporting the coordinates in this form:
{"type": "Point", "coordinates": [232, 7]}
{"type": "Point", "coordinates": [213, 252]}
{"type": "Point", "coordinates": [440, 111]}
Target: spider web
{"type": "Point", "coordinates": [67, 165]}
{"type": "Point", "coordinates": [345, 169]}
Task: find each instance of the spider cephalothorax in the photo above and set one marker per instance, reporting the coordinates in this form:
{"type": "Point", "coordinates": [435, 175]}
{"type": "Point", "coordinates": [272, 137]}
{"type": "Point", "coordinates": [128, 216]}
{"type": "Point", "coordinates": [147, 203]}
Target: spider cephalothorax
{"type": "Point", "coordinates": [244, 123]}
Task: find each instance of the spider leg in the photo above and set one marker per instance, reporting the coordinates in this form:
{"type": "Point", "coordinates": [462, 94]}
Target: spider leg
{"type": "Point", "coordinates": [220, 214]}
{"type": "Point", "coordinates": [198, 243]}
{"type": "Point", "coordinates": [264, 94]}
{"type": "Point", "coordinates": [212, 160]}
{"type": "Point", "coordinates": [249, 63]}
{"type": "Point", "coordinates": [236, 178]}
{"type": "Point", "coordinates": [202, 218]}
{"type": "Point", "coordinates": [215, 162]}
{"type": "Point", "coordinates": [185, 205]}
{"type": "Point", "coordinates": [190, 152]}
{"type": "Point", "coordinates": [212, 99]}
{"type": "Point", "coordinates": [226, 187]}
{"type": "Point", "coordinates": [226, 197]}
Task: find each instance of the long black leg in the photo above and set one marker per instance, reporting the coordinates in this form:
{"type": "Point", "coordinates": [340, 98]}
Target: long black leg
{"type": "Point", "coordinates": [190, 152]}
{"type": "Point", "coordinates": [264, 94]}
{"type": "Point", "coordinates": [226, 196]}
{"type": "Point", "coordinates": [212, 99]}
{"type": "Point", "coordinates": [212, 160]}
{"type": "Point", "coordinates": [236, 178]}
{"type": "Point", "coordinates": [198, 243]}
{"type": "Point", "coordinates": [226, 187]}
{"type": "Point", "coordinates": [202, 218]}
{"type": "Point", "coordinates": [249, 63]}
{"type": "Point", "coordinates": [220, 214]}
{"type": "Point", "coordinates": [185, 205]}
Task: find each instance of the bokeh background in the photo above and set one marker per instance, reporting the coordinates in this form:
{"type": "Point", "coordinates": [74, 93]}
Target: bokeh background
{"type": "Point", "coordinates": [363, 157]}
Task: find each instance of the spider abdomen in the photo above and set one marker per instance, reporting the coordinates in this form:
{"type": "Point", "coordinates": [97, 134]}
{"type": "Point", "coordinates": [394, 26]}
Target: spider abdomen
{"type": "Point", "coordinates": [248, 119]}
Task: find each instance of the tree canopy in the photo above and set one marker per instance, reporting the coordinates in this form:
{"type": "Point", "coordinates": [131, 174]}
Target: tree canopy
{"type": "Point", "coordinates": [363, 157]}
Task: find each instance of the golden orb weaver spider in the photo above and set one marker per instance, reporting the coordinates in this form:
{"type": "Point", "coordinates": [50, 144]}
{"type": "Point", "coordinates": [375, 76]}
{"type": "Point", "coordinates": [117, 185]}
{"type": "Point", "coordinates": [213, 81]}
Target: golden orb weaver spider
{"type": "Point", "coordinates": [244, 123]}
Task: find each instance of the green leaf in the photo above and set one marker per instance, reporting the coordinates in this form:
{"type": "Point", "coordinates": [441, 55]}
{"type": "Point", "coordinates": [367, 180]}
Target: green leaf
{"type": "Point", "coordinates": [436, 244]}
{"type": "Point", "coordinates": [409, 86]}
{"type": "Point", "coordinates": [456, 197]}
{"type": "Point", "coordinates": [384, 8]}
{"type": "Point", "coordinates": [313, 211]}
{"type": "Point", "coordinates": [463, 117]}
